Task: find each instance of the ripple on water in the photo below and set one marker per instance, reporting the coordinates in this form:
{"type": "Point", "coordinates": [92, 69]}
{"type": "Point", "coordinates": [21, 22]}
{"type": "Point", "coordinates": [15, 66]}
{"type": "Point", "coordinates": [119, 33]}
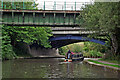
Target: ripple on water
{"type": "Point", "coordinates": [53, 68]}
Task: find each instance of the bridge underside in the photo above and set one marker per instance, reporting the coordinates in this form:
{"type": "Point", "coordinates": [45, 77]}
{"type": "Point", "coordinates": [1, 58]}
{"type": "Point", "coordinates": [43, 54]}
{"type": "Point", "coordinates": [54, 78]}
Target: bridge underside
{"type": "Point", "coordinates": [60, 43]}
{"type": "Point", "coordinates": [57, 42]}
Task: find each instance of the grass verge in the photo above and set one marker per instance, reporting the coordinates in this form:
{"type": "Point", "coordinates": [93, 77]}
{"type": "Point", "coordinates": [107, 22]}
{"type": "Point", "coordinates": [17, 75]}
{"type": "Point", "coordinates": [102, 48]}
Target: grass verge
{"type": "Point", "coordinates": [111, 61]}
{"type": "Point", "coordinates": [104, 63]}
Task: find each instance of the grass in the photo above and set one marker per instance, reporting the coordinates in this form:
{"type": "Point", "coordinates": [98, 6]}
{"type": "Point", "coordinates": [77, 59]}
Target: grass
{"type": "Point", "coordinates": [104, 63]}
{"type": "Point", "coordinates": [111, 61]}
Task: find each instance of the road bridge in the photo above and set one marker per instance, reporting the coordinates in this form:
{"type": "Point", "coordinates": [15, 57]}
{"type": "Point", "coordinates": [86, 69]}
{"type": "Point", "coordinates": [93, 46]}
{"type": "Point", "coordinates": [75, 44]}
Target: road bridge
{"type": "Point", "coordinates": [75, 31]}
{"type": "Point", "coordinates": [40, 18]}
{"type": "Point", "coordinates": [67, 35]}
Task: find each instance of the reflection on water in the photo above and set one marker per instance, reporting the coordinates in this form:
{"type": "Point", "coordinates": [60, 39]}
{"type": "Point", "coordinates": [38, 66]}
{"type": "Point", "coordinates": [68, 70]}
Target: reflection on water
{"type": "Point", "coordinates": [53, 68]}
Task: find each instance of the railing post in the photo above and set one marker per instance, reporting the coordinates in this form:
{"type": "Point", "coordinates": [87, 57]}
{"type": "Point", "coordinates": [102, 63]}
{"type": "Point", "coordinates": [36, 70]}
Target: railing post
{"type": "Point", "coordinates": [75, 5]}
{"type": "Point", "coordinates": [62, 7]}
{"type": "Point", "coordinates": [54, 5]}
{"type": "Point", "coordinates": [12, 4]}
{"type": "Point", "coordinates": [15, 6]}
{"type": "Point", "coordinates": [71, 7]}
{"type": "Point", "coordinates": [65, 5]}
{"type": "Point", "coordinates": [2, 4]}
{"type": "Point", "coordinates": [23, 5]}
{"type": "Point", "coordinates": [5, 6]}
{"type": "Point", "coordinates": [44, 6]}
{"type": "Point", "coordinates": [34, 4]}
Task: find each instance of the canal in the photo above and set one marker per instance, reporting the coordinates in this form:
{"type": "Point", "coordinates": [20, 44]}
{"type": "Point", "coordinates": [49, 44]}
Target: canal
{"type": "Point", "coordinates": [53, 68]}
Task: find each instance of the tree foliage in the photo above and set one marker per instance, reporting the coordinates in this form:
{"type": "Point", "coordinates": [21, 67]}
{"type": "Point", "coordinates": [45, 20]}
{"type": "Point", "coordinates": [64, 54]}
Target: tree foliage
{"type": "Point", "coordinates": [19, 5]}
{"type": "Point", "coordinates": [11, 35]}
{"type": "Point", "coordinates": [7, 48]}
{"type": "Point", "coordinates": [29, 35]}
{"type": "Point", "coordinates": [103, 16]}
{"type": "Point", "coordinates": [94, 49]}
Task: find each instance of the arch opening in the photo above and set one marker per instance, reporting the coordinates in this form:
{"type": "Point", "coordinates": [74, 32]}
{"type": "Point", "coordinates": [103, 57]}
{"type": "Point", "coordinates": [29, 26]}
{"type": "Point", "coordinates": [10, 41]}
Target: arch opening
{"type": "Point", "coordinates": [65, 40]}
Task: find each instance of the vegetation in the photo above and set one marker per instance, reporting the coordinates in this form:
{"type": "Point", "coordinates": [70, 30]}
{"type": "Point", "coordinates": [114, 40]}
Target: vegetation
{"type": "Point", "coordinates": [72, 47]}
{"type": "Point", "coordinates": [93, 49]}
{"type": "Point", "coordinates": [12, 35]}
{"type": "Point", "coordinates": [104, 63]}
{"type": "Point", "coordinates": [111, 61]}
{"type": "Point", "coordinates": [85, 47]}
{"type": "Point", "coordinates": [63, 50]}
{"type": "Point", "coordinates": [103, 17]}
{"type": "Point", "coordinates": [19, 5]}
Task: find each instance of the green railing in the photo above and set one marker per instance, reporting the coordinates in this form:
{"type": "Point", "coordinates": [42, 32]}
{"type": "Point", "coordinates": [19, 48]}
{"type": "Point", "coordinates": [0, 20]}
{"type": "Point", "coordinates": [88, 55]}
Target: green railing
{"type": "Point", "coordinates": [32, 5]}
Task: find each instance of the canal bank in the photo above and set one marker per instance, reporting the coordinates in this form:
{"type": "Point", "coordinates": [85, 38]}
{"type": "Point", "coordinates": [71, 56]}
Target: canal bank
{"type": "Point", "coordinates": [105, 64]}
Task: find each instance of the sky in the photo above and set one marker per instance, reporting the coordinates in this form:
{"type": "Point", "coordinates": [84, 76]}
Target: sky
{"type": "Point", "coordinates": [70, 4]}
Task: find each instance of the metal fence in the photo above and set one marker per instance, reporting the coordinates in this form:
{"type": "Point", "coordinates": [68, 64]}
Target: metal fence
{"type": "Point", "coordinates": [45, 5]}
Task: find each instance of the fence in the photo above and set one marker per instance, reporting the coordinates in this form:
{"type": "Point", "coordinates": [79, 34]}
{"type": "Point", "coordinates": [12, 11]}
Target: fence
{"type": "Point", "coordinates": [44, 5]}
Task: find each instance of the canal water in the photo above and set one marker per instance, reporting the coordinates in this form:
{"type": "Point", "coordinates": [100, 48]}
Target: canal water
{"type": "Point", "coordinates": [53, 68]}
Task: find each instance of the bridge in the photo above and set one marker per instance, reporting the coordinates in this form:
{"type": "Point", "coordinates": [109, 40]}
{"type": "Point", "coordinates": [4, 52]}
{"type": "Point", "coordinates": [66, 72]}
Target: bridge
{"type": "Point", "coordinates": [70, 32]}
{"type": "Point", "coordinates": [40, 18]}
{"type": "Point", "coordinates": [50, 13]}
{"type": "Point", "coordinates": [67, 35]}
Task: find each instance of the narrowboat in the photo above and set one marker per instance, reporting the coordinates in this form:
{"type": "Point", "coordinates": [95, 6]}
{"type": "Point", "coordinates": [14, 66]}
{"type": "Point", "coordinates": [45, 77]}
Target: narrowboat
{"type": "Point", "coordinates": [70, 57]}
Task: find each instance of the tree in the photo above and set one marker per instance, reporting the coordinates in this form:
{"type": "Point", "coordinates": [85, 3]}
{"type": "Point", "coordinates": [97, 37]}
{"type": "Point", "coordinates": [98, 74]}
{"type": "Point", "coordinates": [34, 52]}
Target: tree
{"type": "Point", "coordinates": [11, 35]}
{"type": "Point", "coordinates": [7, 49]}
{"type": "Point", "coordinates": [19, 5]}
{"type": "Point", "coordinates": [103, 16]}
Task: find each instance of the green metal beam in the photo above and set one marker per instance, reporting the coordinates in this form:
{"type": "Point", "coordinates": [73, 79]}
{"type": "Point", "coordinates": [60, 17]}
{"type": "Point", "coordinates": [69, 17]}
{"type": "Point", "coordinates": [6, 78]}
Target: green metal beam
{"type": "Point", "coordinates": [40, 18]}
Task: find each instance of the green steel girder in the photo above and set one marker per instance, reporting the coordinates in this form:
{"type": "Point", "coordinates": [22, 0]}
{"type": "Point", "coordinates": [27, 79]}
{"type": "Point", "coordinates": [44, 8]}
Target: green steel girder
{"type": "Point", "coordinates": [40, 18]}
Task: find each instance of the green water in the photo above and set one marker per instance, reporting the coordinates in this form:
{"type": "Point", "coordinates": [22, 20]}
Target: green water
{"type": "Point", "coordinates": [53, 68]}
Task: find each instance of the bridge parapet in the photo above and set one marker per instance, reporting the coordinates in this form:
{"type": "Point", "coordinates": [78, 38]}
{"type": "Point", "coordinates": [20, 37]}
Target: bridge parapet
{"type": "Point", "coordinates": [75, 31]}
{"type": "Point", "coordinates": [67, 28]}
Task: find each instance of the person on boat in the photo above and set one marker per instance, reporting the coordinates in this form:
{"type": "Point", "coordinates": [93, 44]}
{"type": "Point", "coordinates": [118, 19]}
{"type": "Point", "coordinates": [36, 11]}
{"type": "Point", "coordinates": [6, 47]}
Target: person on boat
{"type": "Point", "coordinates": [72, 54]}
{"type": "Point", "coordinates": [69, 54]}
